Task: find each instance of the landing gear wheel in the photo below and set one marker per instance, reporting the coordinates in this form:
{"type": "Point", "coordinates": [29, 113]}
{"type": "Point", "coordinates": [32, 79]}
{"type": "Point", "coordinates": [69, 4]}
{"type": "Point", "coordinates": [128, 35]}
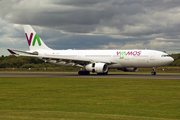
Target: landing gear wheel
{"type": "Point", "coordinates": [83, 73]}
{"type": "Point", "coordinates": [153, 73]}
{"type": "Point", "coordinates": [87, 72]}
{"type": "Point", "coordinates": [106, 73]}
{"type": "Point", "coordinates": [102, 73]}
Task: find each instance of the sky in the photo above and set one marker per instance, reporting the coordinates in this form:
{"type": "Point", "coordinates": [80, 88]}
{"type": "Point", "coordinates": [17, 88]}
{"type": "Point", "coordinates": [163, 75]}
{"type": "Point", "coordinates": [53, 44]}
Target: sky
{"type": "Point", "coordinates": [92, 24]}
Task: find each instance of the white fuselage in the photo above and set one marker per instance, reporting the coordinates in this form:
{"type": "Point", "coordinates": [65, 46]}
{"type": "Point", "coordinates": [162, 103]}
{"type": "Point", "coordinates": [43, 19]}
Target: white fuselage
{"type": "Point", "coordinates": [119, 58]}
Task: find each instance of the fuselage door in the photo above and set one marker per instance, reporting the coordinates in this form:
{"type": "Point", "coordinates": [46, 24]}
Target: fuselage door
{"type": "Point", "coordinates": [152, 56]}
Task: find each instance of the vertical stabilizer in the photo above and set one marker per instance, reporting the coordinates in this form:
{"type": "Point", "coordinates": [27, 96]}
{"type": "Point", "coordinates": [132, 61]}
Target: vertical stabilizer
{"type": "Point", "coordinates": [34, 41]}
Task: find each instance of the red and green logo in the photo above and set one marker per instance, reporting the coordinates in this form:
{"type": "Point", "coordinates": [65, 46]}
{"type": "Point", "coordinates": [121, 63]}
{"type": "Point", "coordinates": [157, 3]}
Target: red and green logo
{"type": "Point", "coordinates": [36, 38]}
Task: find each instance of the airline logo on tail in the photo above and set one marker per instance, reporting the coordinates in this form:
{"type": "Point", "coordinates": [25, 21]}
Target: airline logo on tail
{"type": "Point", "coordinates": [36, 37]}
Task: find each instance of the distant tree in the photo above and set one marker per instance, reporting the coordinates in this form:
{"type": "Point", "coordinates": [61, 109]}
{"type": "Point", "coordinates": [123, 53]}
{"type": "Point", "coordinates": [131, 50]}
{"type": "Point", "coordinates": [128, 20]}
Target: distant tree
{"type": "Point", "coordinates": [27, 66]}
{"type": "Point", "coordinates": [34, 60]}
{"type": "Point", "coordinates": [2, 58]}
{"type": "Point", "coordinates": [3, 64]}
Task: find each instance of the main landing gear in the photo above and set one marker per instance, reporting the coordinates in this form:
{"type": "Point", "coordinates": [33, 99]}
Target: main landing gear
{"type": "Point", "coordinates": [102, 73]}
{"type": "Point", "coordinates": [154, 71]}
{"type": "Point", "coordinates": [87, 73]}
{"type": "Point", "coordinates": [83, 73]}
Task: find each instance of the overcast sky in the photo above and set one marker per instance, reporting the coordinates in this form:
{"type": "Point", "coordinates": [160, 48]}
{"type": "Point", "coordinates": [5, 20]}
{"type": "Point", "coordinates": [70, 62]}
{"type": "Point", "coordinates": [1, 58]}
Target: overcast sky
{"type": "Point", "coordinates": [92, 24]}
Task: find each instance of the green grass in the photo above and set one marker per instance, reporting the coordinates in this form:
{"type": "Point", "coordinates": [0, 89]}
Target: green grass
{"type": "Point", "coordinates": [88, 99]}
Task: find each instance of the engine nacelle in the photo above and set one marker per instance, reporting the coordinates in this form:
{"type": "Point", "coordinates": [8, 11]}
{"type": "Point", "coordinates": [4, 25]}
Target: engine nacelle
{"type": "Point", "coordinates": [128, 69]}
{"type": "Point", "coordinates": [97, 67]}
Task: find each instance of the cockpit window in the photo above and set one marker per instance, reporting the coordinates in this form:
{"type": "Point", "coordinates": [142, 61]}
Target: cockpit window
{"type": "Point", "coordinates": [165, 56]}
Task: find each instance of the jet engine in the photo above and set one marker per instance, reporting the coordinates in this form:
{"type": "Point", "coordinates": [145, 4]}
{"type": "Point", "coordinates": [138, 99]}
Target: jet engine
{"type": "Point", "coordinates": [128, 69]}
{"type": "Point", "coordinates": [97, 67]}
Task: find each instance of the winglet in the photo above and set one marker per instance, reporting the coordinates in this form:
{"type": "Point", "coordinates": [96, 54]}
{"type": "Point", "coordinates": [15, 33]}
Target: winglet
{"type": "Point", "coordinates": [12, 52]}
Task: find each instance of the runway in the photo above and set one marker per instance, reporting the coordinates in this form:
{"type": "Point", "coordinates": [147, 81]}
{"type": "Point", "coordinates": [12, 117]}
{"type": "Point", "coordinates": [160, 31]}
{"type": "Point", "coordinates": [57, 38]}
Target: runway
{"type": "Point", "coordinates": [75, 75]}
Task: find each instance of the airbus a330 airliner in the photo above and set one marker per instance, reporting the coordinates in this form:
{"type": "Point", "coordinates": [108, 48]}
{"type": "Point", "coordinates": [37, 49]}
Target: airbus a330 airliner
{"type": "Point", "coordinates": [96, 61]}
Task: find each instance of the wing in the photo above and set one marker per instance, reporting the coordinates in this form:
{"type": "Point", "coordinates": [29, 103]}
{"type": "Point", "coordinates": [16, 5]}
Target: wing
{"type": "Point", "coordinates": [77, 60]}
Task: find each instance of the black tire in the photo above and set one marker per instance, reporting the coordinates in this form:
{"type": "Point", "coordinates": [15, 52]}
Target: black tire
{"type": "Point", "coordinates": [80, 73]}
{"type": "Point", "coordinates": [87, 72]}
{"type": "Point", "coordinates": [83, 73]}
{"type": "Point", "coordinates": [153, 73]}
{"type": "Point", "coordinates": [106, 73]}
{"type": "Point", "coordinates": [102, 73]}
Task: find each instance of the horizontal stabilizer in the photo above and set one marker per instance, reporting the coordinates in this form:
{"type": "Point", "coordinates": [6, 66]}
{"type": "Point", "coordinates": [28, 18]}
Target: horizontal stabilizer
{"type": "Point", "coordinates": [13, 52]}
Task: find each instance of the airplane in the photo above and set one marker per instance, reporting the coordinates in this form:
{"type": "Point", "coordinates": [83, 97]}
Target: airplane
{"type": "Point", "coordinates": [95, 61]}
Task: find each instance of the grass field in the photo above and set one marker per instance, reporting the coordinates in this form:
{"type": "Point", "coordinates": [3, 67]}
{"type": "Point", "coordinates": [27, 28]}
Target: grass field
{"type": "Point", "coordinates": [89, 99]}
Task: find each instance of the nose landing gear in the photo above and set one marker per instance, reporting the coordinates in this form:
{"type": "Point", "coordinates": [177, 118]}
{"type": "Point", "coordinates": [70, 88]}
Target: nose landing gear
{"type": "Point", "coordinates": [154, 71]}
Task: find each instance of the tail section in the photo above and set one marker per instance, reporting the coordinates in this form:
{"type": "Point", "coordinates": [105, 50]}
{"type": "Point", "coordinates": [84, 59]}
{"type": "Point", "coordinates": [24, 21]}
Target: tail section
{"type": "Point", "coordinates": [34, 41]}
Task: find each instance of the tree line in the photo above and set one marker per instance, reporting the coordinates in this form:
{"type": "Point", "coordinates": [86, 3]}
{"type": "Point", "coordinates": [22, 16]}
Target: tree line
{"type": "Point", "coordinates": [13, 61]}
{"type": "Point", "coordinates": [176, 60]}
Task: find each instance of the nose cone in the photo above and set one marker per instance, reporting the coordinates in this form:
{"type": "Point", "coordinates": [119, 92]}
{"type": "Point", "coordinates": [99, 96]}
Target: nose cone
{"type": "Point", "coordinates": [166, 61]}
{"type": "Point", "coordinates": [170, 60]}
